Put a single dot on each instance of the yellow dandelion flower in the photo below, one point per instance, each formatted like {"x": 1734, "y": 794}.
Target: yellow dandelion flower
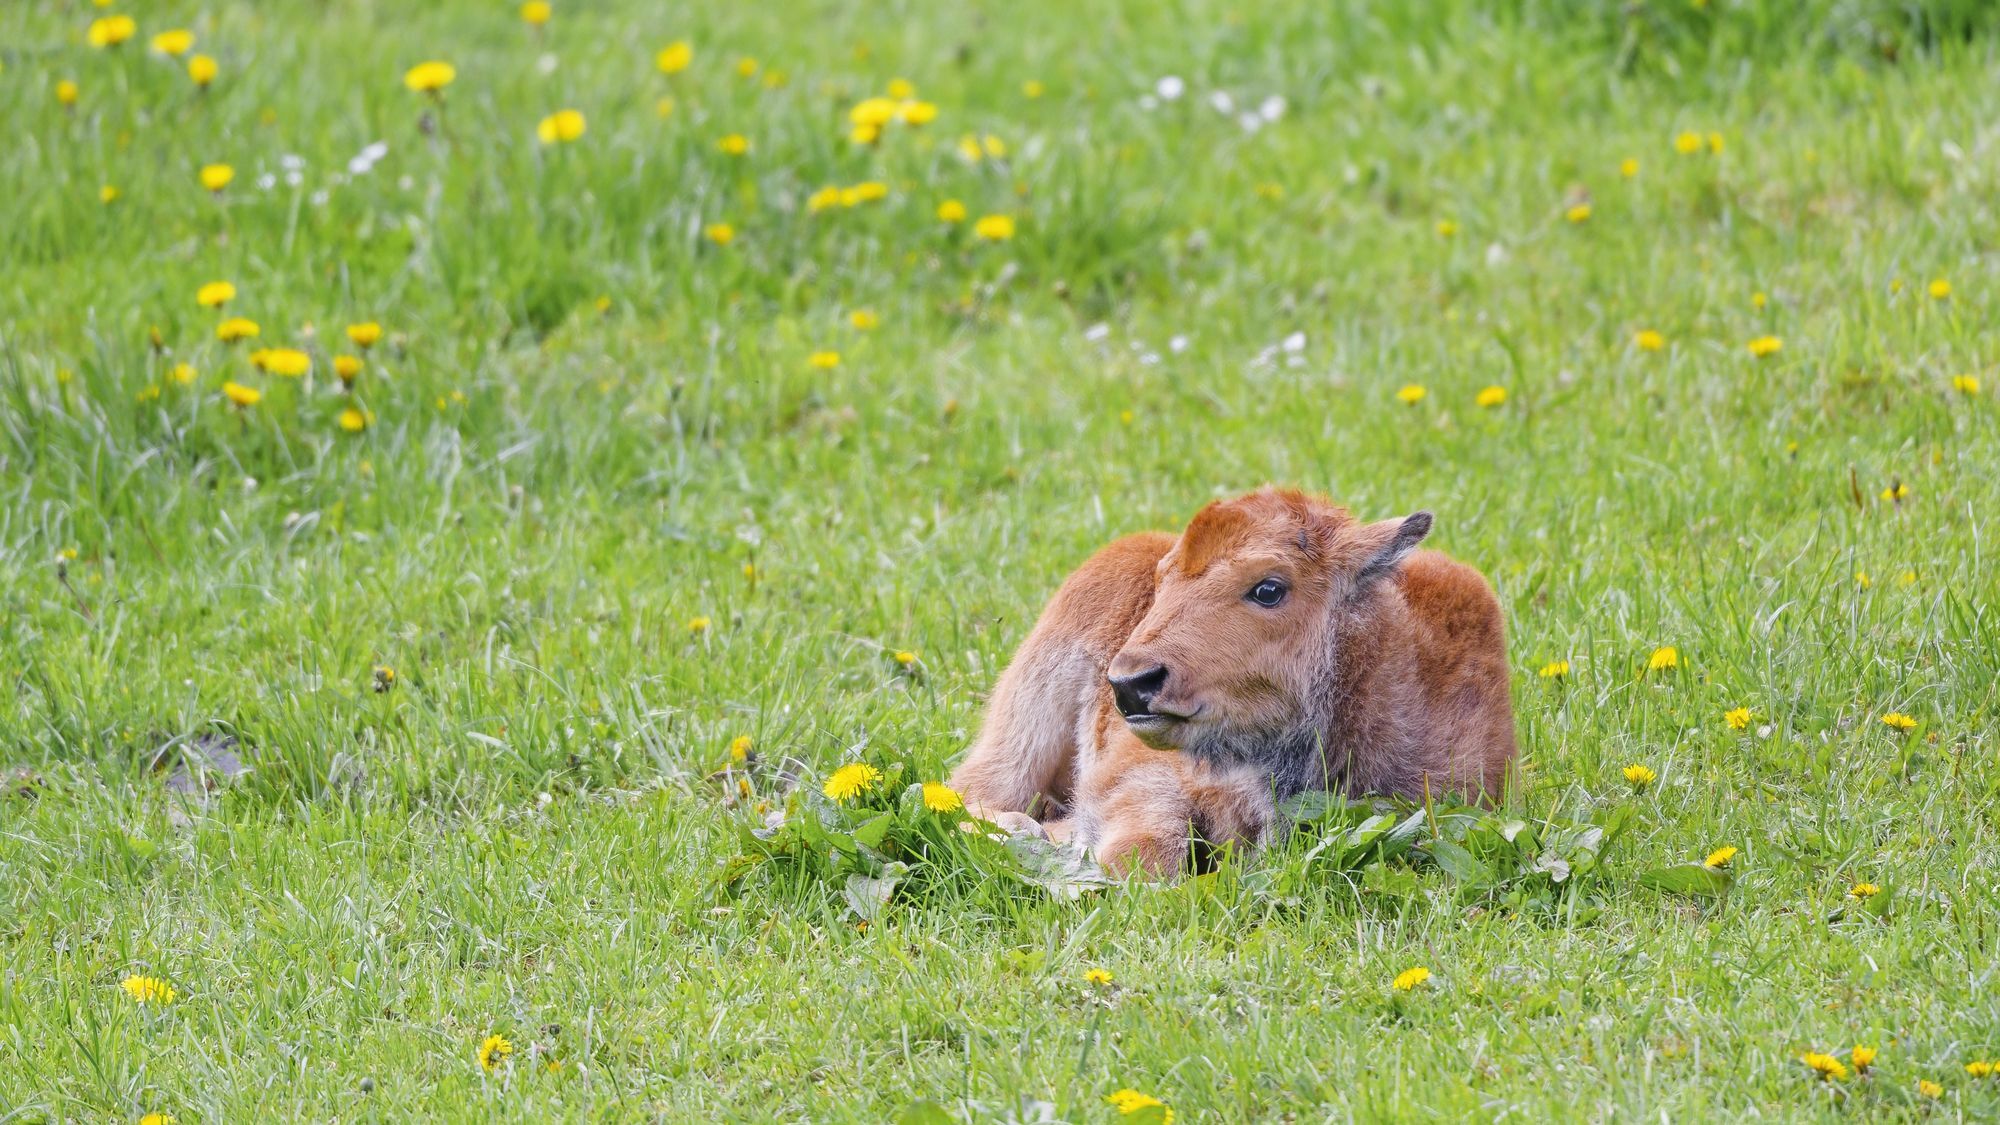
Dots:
{"x": 1715, "y": 142}
{"x": 1628, "y": 167}
{"x": 183, "y": 373}
{"x": 1648, "y": 340}
{"x": 951, "y": 211}
{"x": 176, "y": 42}
{"x": 1664, "y": 659}
{"x": 863, "y": 319}
{"x": 822, "y": 199}
{"x": 355, "y": 420}
{"x": 1979, "y": 1068}
{"x": 535, "y": 13}
{"x": 148, "y": 990}
{"x": 1907, "y": 578}
{"x": 215, "y": 294}
{"x": 851, "y": 780}
{"x": 1738, "y": 718}
{"x": 1640, "y": 776}
{"x": 872, "y": 111}
{"x": 917, "y": 113}
{"x": 493, "y": 1051}
{"x": 1940, "y": 289}
{"x": 1864, "y": 890}
{"x": 364, "y": 334}
{"x": 746, "y": 67}
{"x": 901, "y": 88}
{"x": 1862, "y": 580}
{"x": 1578, "y": 213}
{"x": 867, "y": 191}
{"x": 906, "y": 658}
{"x": 1826, "y": 1066}
{"x": 110, "y": 31}
{"x": 107, "y": 195}
{"x": 1897, "y": 491}
{"x": 1765, "y": 345}
{"x": 561, "y": 127}
{"x": 202, "y": 70}
{"x": 1759, "y": 300}
{"x": 66, "y": 92}
{"x": 698, "y": 625}
{"x": 968, "y": 147}
{"x": 739, "y": 748}
{"x": 1446, "y": 228}
{"x": 1129, "y": 1101}
{"x": 674, "y": 57}
{"x": 348, "y": 367}
{"x": 215, "y": 177}
{"x": 430, "y": 78}
{"x": 994, "y": 147}
{"x": 1491, "y": 396}
{"x": 1097, "y": 977}
{"x": 157, "y": 1119}
{"x": 735, "y": 144}
{"x": 664, "y": 108}
{"x": 1554, "y": 670}
{"x": 1929, "y": 1089}
{"x": 939, "y": 797}
{"x": 236, "y": 328}
{"x": 289, "y": 362}
{"x": 994, "y": 228}
{"x": 722, "y": 234}
{"x": 1411, "y": 394}
{"x": 1719, "y": 858}
{"x": 241, "y": 396}
{"x": 1687, "y": 143}
{"x": 1033, "y": 88}
{"x": 865, "y": 134}
{"x": 1965, "y": 384}
{"x": 1899, "y": 720}
{"x": 1410, "y": 978}
{"x": 824, "y": 360}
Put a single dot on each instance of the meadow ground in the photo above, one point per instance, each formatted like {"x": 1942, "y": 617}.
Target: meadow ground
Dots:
{"x": 616, "y": 487}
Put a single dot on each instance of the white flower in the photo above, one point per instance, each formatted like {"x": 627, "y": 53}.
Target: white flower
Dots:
{"x": 359, "y": 167}
{"x": 375, "y": 151}
{"x": 1272, "y": 108}
{"x": 1222, "y": 102}
{"x": 1149, "y": 358}
{"x": 1296, "y": 342}
{"x": 266, "y": 181}
{"x": 1169, "y": 88}
{"x": 1250, "y": 122}
{"x": 1097, "y": 332}
{"x": 292, "y": 162}
{"x": 294, "y": 179}
{"x": 546, "y": 64}
{"x": 1177, "y": 345}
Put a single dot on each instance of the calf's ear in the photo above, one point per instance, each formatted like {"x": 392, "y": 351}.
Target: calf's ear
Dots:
{"x": 1384, "y": 544}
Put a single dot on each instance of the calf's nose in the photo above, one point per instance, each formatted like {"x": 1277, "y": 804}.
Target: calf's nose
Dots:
{"x": 1134, "y": 694}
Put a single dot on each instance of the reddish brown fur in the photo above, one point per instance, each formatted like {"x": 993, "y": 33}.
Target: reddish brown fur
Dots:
{"x": 1382, "y": 670}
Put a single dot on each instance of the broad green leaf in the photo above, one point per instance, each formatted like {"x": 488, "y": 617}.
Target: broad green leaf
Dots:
{"x": 1689, "y": 879}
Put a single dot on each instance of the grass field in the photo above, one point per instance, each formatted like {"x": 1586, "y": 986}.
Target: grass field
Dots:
{"x": 611, "y": 492}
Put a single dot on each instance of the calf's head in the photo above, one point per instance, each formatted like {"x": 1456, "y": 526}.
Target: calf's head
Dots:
{"x": 1240, "y": 636}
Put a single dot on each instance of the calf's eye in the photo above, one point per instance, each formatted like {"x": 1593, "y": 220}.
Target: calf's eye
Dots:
{"x": 1268, "y": 593}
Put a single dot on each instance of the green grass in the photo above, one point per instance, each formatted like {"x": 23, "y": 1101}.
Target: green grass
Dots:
{"x": 521, "y": 835}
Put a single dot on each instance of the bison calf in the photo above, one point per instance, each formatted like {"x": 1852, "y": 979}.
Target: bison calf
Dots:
{"x": 1184, "y": 685}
